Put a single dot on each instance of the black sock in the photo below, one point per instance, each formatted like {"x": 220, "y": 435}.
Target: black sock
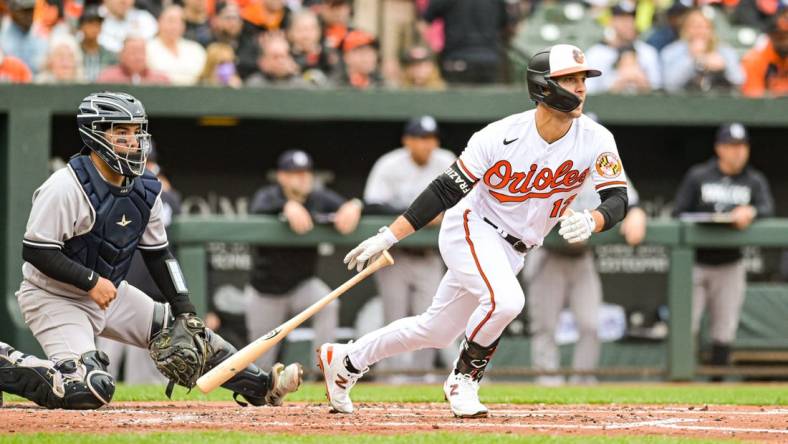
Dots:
{"x": 474, "y": 358}
{"x": 349, "y": 366}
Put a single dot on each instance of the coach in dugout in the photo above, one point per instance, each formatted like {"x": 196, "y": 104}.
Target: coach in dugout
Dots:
{"x": 283, "y": 280}
{"x": 725, "y": 189}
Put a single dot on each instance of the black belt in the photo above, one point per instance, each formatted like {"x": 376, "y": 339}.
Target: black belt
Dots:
{"x": 516, "y": 243}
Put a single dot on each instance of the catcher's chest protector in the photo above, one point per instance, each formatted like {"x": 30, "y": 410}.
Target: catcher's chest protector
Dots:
{"x": 122, "y": 214}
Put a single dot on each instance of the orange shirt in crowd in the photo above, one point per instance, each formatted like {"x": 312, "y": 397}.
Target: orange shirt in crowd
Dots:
{"x": 255, "y": 13}
{"x": 14, "y": 70}
{"x": 766, "y": 72}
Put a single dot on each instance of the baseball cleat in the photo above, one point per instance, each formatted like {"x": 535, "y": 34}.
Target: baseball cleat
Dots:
{"x": 339, "y": 380}
{"x": 462, "y": 392}
{"x": 284, "y": 380}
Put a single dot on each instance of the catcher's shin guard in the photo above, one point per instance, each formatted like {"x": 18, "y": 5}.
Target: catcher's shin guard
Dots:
{"x": 76, "y": 384}
{"x": 252, "y": 383}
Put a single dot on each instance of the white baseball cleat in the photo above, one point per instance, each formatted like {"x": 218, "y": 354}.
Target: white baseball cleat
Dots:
{"x": 284, "y": 380}
{"x": 339, "y": 380}
{"x": 462, "y": 392}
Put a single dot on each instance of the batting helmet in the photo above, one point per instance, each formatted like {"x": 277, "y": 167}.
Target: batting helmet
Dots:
{"x": 551, "y": 62}
{"x": 98, "y": 113}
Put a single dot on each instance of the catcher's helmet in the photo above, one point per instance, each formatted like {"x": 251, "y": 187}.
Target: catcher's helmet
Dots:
{"x": 98, "y": 113}
{"x": 555, "y": 61}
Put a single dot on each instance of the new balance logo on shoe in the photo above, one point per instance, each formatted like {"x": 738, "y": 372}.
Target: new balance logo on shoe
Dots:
{"x": 341, "y": 382}
{"x": 453, "y": 391}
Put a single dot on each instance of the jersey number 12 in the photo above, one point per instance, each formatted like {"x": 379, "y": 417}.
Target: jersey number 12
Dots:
{"x": 560, "y": 206}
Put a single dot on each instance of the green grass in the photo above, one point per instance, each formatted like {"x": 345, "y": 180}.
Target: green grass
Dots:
{"x": 734, "y": 394}
{"x": 237, "y": 437}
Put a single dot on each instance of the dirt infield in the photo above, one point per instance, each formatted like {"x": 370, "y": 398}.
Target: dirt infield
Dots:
{"x": 712, "y": 422}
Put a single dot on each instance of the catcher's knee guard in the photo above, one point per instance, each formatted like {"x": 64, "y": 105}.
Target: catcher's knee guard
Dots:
{"x": 77, "y": 384}
{"x": 252, "y": 383}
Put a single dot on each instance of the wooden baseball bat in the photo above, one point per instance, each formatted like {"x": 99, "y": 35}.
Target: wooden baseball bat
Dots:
{"x": 245, "y": 356}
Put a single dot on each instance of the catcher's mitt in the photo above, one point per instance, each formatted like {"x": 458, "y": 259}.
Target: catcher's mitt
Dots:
{"x": 180, "y": 351}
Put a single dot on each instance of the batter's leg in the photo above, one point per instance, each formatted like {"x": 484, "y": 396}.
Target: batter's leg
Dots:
{"x": 585, "y": 298}
{"x": 263, "y": 314}
{"x": 547, "y": 294}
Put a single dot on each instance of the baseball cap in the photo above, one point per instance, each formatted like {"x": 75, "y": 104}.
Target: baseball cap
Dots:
{"x": 357, "y": 39}
{"x": 416, "y": 54}
{"x": 421, "y": 126}
{"x": 22, "y": 4}
{"x": 294, "y": 160}
{"x": 623, "y": 8}
{"x": 90, "y": 14}
{"x": 732, "y": 133}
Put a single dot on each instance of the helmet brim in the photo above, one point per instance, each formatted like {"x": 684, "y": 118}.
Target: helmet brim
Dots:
{"x": 565, "y": 72}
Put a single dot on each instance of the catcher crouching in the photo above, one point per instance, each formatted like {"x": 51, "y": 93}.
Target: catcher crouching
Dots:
{"x": 86, "y": 222}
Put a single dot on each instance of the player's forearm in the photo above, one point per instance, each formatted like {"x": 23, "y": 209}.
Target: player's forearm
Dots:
{"x": 612, "y": 209}
{"x": 56, "y": 265}
{"x": 166, "y": 272}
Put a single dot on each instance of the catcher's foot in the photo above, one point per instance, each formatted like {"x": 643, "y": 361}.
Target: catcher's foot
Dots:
{"x": 284, "y": 380}
{"x": 339, "y": 380}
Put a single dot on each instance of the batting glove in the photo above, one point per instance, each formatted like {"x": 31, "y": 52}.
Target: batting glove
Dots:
{"x": 577, "y": 227}
{"x": 370, "y": 249}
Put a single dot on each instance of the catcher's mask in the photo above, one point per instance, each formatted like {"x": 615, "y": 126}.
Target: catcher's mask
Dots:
{"x": 104, "y": 121}
{"x": 551, "y": 62}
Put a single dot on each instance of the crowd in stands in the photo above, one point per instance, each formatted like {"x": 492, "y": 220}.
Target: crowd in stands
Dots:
{"x": 731, "y": 46}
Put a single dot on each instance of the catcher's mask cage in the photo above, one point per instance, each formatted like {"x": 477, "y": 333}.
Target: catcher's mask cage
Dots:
{"x": 104, "y": 120}
{"x": 552, "y": 62}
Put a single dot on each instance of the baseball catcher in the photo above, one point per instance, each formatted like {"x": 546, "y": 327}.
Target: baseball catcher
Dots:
{"x": 86, "y": 222}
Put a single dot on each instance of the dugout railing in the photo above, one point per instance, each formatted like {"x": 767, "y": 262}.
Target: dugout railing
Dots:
{"x": 192, "y": 233}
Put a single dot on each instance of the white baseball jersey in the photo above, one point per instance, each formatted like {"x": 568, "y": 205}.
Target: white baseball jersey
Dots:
{"x": 524, "y": 183}
{"x": 61, "y": 211}
{"x": 397, "y": 180}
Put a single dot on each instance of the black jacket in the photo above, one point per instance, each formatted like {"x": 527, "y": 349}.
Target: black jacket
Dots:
{"x": 277, "y": 270}
{"x": 705, "y": 189}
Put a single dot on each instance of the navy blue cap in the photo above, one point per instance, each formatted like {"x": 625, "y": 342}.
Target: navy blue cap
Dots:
{"x": 421, "y": 126}
{"x": 623, "y": 8}
{"x": 732, "y": 133}
{"x": 294, "y": 160}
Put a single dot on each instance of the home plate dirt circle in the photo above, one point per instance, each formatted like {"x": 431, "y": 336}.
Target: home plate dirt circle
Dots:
{"x": 764, "y": 423}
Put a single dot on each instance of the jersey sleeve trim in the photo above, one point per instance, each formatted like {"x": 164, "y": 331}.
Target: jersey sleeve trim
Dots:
{"x": 47, "y": 245}
{"x": 466, "y": 171}
{"x": 614, "y": 183}
{"x": 160, "y": 246}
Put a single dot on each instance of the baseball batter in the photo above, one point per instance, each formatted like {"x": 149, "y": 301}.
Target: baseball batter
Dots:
{"x": 510, "y": 186}
{"x": 86, "y": 222}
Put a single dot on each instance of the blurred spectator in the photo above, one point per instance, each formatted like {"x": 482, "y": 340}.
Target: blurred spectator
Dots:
{"x": 766, "y": 65}
{"x": 20, "y": 38}
{"x": 283, "y": 280}
{"x": 180, "y": 59}
{"x": 219, "y": 67}
{"x": 566, "y": 275}
{"x": 420, "y": 70}
{"x": 226, "y": 25}
{"x": 275, "y": 65}
{"x": 122, "y": 19}
{"x": 63, "y": 63}
{"x": 727, "y": 188}
{"x": 132, "y": 66}
{"x": 472, "y": 53}
{"x": 198, "y": 28}
{"x": 756, "y": 13}
{"x": 361, "y": 61}
{"x": 667, "y": 32}
{"x": 13, "y": 70}
{"x": 137, "y": 366}
{"x": 698, "y": 61}
{"x": 630, "y": 65}
{"x": 396, "y": 179}
{"x": 335, "y": 17}
{"x": 307, "y": 48}
{"x": 94, "y": 56}
{"x": 265, "y": 15}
